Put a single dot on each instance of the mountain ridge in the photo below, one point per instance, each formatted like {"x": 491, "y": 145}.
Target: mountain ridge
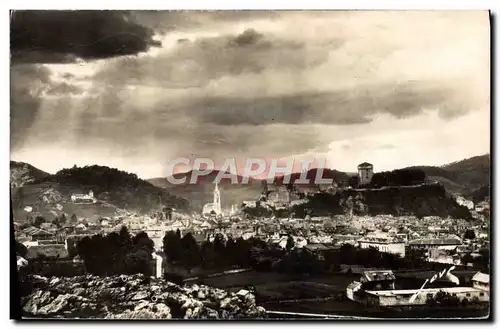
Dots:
{"x": 469, "y": 177}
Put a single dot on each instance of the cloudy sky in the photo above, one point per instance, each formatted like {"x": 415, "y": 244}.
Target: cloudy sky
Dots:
{"x": 134, "y": 90}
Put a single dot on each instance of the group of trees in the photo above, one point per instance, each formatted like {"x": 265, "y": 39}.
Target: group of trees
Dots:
{"x": 399, "y": 177}
{"x": 117, "y": 253}
{"x": 481, "y": 262}
{"x": 260, "y": 255}
{"x": 443, "y": 298}
{"x": 58, "y": 221}
{"x": 216, "y": 254}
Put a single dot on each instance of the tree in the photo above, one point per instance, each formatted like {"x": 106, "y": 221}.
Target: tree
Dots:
{"x": 142, "y": 242}
{"x": 138, "y": 261}
{"x": 39, "y": 220}
{"x": 467, "y": 259}
{"x": 353, "y": 181}
{"x": 231, "y": 252}
{"x": 62, "y": 219}
{"x": 469, "y": 235}
{"x": 191, "y": 251}
{"x": 207, "y": 254}
{"x": 289, "y": 244}
{"x": 18, "y": 198}
{"x": 21, "y": 249}
{"x": 172, "y": 246}
{"x": 74, "y": 219}
{"x": 219, "y": 245}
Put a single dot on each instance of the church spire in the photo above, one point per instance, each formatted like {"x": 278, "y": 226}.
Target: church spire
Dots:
{"x": 217, "y": 206}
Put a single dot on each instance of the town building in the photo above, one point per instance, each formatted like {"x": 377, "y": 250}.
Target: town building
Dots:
{"x": 481, "y": 281}
{"x": 365, "y": 172}
{"x": 385, "y": 244}
{"x": 426, "y": 244}
{"x": 443, "y": 256}
{"x": 376, "y": 288}
{"x": 403, "y": 297}
{"x": 36, "y": 234}
{"x": 86, "y": 198}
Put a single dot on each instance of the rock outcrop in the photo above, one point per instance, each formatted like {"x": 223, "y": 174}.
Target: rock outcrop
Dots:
{"x": 134, "y": 297}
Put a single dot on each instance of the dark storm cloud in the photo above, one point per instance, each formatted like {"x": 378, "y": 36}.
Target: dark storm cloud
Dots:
{"x": 174, "y": 20}
{"x": 61, "y": 36}
{"x": 343, "y": 107}
{"x": 64, "y": 88}
{"x": 194, "y": 63}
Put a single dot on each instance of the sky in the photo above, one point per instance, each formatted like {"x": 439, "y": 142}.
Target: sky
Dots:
{"x": 136, "y": 90}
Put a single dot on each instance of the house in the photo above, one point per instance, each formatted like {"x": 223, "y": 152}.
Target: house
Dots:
{"x": 481, "y": 206}
{"x": 250, "y": 203}
{"x": 85, "y": 198}
{"x": 206, "y": 225}
{"x": 390, "y": 298}
{"x": 481, "y": 281}
{"x": 426, "y": 244}
{"x": 385, "y": 244}
{"x": 443, "y": 256}
{"x": 48, "y": 250}
{"x": 319, "y": 249}
{"x": 378, "y": 280}
{"x": 36, "y": 234}
{"x": 81, "y": 226}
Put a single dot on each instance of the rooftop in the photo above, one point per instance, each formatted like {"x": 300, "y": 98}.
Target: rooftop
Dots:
{"x": 35, "y": 231}
{"x": 379, "y": 275}
{"x": 48, "y": 250}
{"x": 423, "y": 291}
{"x": 365, "y": 165}
{"x": 481, "y": 277}
{"x": 437, "y": 241}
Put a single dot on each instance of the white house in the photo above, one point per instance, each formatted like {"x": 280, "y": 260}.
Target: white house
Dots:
{"x": 385, "y": 244}
{"x": 83, "y": 197}
{"x": 481, "y": 281}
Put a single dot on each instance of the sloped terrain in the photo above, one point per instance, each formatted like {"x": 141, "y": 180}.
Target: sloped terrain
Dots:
{"x": 23, "y": 173}
{"x": 134, "y": 297}
{"x": 114, "y": 189}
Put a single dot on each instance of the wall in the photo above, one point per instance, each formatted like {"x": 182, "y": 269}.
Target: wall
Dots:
{"x": 400, "y": 300}
{"x": 392, "y": 248}
{"x": 365, "y": 176}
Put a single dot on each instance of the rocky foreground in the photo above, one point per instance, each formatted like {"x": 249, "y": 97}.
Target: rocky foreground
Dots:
{"x": 134, "y": 297}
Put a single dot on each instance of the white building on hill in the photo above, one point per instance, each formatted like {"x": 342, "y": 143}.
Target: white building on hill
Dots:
{"x": 83, "y": 197}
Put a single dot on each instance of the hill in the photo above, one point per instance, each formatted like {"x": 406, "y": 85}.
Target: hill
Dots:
{"x": 200, "y": 178}
{"x": 23, "y": 173}
{"x": 468, "y": 177}
{"x": 337, "y": 176}
{"x": 423, "y": 200}
{"x": 202, "y": 192}
{"x": 115, "y": 190}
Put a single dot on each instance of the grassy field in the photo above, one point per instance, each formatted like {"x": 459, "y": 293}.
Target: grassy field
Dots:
{"x": 324, "y": 294}
{"x": 281, "y": 286}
